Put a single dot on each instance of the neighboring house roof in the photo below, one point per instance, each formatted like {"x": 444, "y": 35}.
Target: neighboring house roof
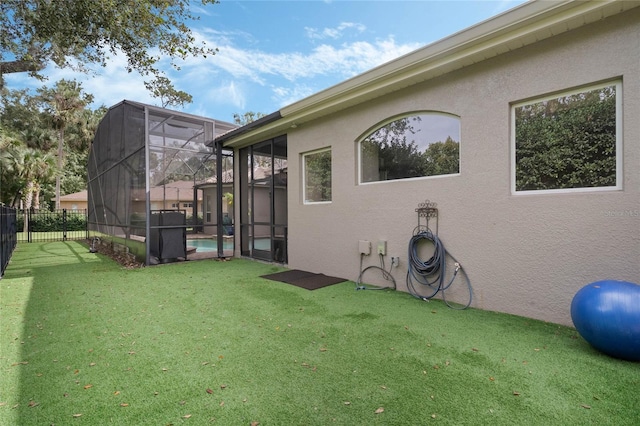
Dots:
{"x": 227, "y": 177}
{"x": 259, "y": 173}
{"x": 173, "y": 190}
{"x": 523, "y": 25}
{"x": 76, "y": 196}
{"x": 178, "y": 184}
{"x": 158, "y": 193}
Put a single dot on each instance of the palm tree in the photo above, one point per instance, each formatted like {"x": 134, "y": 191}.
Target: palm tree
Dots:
{"x": 8, "y": 140}
{"x": 32, "y": 168}
{"x": 81, "y": 136}
{"x": 63, "y": 103}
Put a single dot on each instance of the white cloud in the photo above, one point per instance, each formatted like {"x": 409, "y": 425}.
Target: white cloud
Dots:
{"x": 211, "y": 36}
{"x": 199, "y": 11}
{"x": 108, "y": 85}
{"x": 333, "y": 33}
{"x": 235, "y": 77}
{"x": 228, "y": 93}
{"x": 287, "y": 95}
{"x": 345, "y": 60}
{"x": 115, "y": 85}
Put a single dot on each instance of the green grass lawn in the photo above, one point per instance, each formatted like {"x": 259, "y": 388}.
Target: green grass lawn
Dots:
{"x": 84, "y": 341}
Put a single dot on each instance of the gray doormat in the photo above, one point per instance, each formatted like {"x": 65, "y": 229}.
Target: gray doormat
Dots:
{"x": 304, "y": 279}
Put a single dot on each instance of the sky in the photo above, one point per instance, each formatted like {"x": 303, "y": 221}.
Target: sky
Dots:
{"x": 274, "y": 53}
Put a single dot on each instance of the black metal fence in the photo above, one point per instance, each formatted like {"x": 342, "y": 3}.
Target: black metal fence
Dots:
{"x": 58, "y": 225}
{"x": 8, "y": 237}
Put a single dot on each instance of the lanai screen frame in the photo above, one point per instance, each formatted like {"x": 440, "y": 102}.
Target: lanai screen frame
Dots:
{"x": 137, "y": 147}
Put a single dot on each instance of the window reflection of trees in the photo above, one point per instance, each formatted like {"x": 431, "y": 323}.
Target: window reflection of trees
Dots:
{"x": 405, "y": 148}
{"x": 317, "y": 176}
{"x": 567, "y": 142}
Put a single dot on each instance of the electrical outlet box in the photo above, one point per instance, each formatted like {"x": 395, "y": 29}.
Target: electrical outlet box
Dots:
{"x": 364, "y": 247}
{"x": 382, "y": 247}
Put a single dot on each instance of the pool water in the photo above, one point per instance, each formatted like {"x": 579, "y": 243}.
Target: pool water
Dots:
{"x": 205, "y": 245}
{"x": 208, "y": 245}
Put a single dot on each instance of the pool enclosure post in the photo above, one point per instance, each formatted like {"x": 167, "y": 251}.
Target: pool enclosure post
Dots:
{"x": 194, "y": 215}
{"x": 147, "y": 183}
{"x": 219, "y": 193}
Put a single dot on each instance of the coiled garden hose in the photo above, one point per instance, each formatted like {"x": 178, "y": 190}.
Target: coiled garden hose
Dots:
{"x": 430, "y": 274}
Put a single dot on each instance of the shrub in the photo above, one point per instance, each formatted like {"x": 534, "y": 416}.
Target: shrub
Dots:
{"x": 54, "y": 221}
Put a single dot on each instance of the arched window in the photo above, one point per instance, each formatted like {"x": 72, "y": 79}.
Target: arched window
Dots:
{"x": 411, "y": 146}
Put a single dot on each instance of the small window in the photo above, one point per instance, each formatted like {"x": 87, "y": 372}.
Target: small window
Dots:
{"x": 411, "y": 146}
{"x": 208, "y": 203}
{"x": 316, "y": 172}
{"x": 568, "y": 142}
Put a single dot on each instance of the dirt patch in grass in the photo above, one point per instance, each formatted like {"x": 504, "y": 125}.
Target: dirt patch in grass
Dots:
{"x": 126, "y": 260}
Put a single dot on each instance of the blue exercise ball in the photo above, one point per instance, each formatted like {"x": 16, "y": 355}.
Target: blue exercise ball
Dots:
{"x": 607, "y": 314}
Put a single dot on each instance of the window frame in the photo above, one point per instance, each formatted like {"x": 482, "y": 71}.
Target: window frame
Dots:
{"x": 391, "y": 119}
{"x": 617, "y": 84}
{"x": 304, "y": 156}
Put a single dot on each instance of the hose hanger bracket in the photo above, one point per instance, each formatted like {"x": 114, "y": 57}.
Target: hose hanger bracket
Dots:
{"x": 427, "y": 211}
{"x": 430, "y": 275}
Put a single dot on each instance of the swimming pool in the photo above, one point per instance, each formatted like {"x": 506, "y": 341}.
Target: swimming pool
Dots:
{"x": 205, "y": 245}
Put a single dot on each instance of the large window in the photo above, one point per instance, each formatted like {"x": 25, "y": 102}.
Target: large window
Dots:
{"x": 570, "y": 141}
{"x": 411, "y": 146}
{"x": 316, "y": 168}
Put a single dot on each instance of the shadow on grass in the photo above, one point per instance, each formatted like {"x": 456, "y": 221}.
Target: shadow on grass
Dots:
{"x": 45, "y": 255}
{"x": 41, "y": 272}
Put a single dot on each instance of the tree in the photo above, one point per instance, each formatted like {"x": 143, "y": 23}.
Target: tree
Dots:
{"x": 78, "y": 34}
{"x": 26, "y": 123}
{"x": 442, "y": 158}
{"x": 20, "y": 110}
{"x": 40, "y": 168}
{"x": 21, "y": 146}
{"x": 78, "y": 138}
{"x": 247, "y": 117}
{"x": 567, "y": 142}
{"x": 32, "y": 168}
{"x": 400, "y": 149}
{"x": 317, "y": 176}
{"x": 63, "y": 103}
{"x": 8, "y": 140}
{"x": 39, "y": 137}
{"x": 162, "y": 88}
{"x": 80, "y": 134}
{"x": 389, "y": 154}
{"x": 74, "y": 173}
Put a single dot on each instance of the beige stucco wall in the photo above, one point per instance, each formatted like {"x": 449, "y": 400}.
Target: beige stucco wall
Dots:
{"x": 73, "y": 205}
{"x": 524, "y": 254}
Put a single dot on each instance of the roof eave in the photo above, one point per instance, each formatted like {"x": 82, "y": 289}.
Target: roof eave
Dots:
{"x": 247, "y": 128}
